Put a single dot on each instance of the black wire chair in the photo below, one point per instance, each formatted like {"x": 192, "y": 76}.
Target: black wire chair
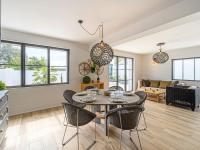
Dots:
{"x": 68, "y": 94}
{"x": 141, "y": 102}
{"x": 119, "y": 88}
{"x": 125, "y": 118}
{"x": 76, "y": 117}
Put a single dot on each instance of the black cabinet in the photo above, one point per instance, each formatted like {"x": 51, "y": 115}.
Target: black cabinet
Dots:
{"x": 183, "y": 96}
{"x": 3, "y": 113}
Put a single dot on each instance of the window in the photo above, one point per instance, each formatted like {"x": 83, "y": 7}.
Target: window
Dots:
{"x": 26, "y": 65}
{"x": 186, "y": 69}
{"x": 10, "y": 64}
{"x": 121, "y": 73}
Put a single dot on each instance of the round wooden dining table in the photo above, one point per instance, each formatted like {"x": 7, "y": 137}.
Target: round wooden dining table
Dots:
{"x": 102, "y": 100}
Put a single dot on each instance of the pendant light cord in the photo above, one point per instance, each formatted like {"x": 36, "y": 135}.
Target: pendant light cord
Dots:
{"x": 99, "y": 28}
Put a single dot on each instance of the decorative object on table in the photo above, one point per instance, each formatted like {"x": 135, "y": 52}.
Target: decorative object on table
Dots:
{"x": 86, "y": 79}
{"x": 84, "y": 68}
{"x": 101, "y": 53}
{"x": 99, "y": 71}
{"x": 160, "y": 57}
{"x": 2, "y": 85}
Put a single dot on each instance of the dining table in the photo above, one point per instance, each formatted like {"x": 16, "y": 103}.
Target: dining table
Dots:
{"x": 107, "y": 101}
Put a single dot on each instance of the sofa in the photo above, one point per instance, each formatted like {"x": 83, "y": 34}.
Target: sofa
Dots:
{"x": 146, "y": 84}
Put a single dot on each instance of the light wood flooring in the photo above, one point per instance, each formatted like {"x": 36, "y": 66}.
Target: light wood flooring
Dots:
{"x": 169, "y": 128}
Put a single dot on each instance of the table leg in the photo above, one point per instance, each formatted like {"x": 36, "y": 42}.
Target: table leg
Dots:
{"x": 95, "y": 109}
{"x": 106, "y": 122}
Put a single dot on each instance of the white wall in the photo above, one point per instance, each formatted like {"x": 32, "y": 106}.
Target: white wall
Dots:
{"x": 151, "y": 70}
{"x": 28, "y": 99}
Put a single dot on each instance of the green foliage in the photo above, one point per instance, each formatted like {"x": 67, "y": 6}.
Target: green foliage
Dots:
{"x": 40, "y": 73}
{"x": 2, "y": 85}
{"x": 86, "y": 79}
{"x": 10, "y": 55}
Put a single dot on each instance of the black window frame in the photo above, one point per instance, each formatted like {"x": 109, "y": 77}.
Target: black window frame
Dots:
{"x": 125, "y": 69}
{"x": 182, "y": 59}
{"x": 23, "y": 69}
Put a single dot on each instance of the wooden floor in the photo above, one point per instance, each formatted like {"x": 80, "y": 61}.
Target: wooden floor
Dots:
{"x": 169, "y": 128}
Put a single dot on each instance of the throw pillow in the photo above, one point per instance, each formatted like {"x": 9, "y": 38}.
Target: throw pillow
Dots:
{"x": 154, "y": 83}
{"x": 164, "y": 84}
{"x": 145, "y": 83}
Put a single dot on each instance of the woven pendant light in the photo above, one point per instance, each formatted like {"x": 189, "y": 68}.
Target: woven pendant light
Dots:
{"x": 101, "y": 53}
{"x": 160, "y": 57}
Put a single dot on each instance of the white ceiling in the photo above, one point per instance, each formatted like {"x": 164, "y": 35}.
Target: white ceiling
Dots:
{"x": 186, "y": 35}
{"x": 58, "y": 18}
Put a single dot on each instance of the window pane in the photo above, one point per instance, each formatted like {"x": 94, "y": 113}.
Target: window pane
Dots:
{"x": 10, "y": 75}
{"x": 177, "y": 69}
{"x": 113, "y": 72}
{"x": 129, "y": 63}
{"x": 58, "y": 57}
{"x": 129, "y": 84}
{"x": 188, "y": 70}
{"x": 121, "y": 63}
{"x": 36, "y": 55}
{"x": 129, "y": 74}
{"x": 36, "y": 75}
{"x": 121, "y": 84}
{"x": 10, "y": 53}
{"x": 58, "y": 75}
{"x": 197, "y": 69}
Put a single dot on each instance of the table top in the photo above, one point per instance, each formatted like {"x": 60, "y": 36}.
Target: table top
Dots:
{"x": 107, "y": 100}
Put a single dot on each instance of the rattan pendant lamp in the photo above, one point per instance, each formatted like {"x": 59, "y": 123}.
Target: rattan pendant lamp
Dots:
{"x": 160, "y": 57}
{"x": 101, "y": 53}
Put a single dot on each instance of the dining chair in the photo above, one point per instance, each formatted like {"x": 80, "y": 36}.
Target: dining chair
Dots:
{"x": 125, "y": 118}
{"x": 68, "y": 94}
{"x": 76, "y": 117}
{"x": 143, "y": 96}
{"x": 119, "y": 88}
{"x": 141, "y": 102}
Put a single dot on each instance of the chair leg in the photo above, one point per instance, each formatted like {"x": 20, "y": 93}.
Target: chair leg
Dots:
{"x": 144, "y": 121}
{"x": 121, "y": 139}
{"x": 77, "y": 137}
{"x": 139, "y": 139}
{"x": 64, "y": 136}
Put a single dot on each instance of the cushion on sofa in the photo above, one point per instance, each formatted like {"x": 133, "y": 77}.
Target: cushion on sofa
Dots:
{"x": 164, "y": 84}
{"x": 154, "y": 83}
{"x": 145, "y": 83}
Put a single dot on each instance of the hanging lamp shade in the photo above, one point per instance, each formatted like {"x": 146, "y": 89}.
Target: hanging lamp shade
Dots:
{"x": 101, "y": 54}
{"x": 160, "y": 57}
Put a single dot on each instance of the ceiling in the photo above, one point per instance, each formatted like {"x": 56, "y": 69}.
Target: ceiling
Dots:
{"x": 58, "y": 18}
{"x": 181, "y": 36}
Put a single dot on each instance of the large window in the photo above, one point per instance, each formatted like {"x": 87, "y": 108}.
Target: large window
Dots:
{"x": 186, "y": 69}
{"x": 121, "y": 73}
{"x": 26, "y": 65}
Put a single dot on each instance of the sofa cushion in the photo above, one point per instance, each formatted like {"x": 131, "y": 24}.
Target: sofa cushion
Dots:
{"x": 154, "y": 83}
{"x": 145, "y": 83}
{"x": 164, "y": 84}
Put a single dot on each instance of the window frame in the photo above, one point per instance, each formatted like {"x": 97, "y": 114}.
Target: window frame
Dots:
{"x": 23, "y": 65}
{"x": 125, "y": 70}
{"x": 182, "y": 59}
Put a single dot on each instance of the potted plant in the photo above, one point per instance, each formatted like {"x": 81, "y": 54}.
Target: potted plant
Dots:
{"x": 2, "y": 85}
{"x": 86, "y": 79}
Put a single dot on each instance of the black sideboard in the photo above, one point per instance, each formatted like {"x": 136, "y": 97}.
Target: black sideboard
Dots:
{"x": 183, "y": 96}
